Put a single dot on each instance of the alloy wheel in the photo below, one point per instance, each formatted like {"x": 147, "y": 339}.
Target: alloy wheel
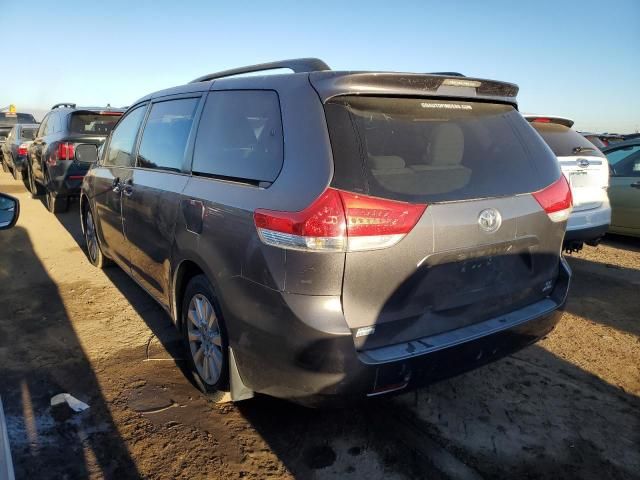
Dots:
{"x": 205, "y": 340}
{"x": 91, "y": 238}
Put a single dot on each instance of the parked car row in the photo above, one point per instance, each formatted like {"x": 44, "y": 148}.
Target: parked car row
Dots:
{"x": 329, "y": 235}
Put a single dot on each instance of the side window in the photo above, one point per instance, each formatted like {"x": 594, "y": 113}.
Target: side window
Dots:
{"x": 628, "y": 166}
{"x": 240, "y": 136}
{"x": 123, "y": 139}
{"x": 616, "y": 155}
{"x": 54, "y": 123}
{"x": 43, "y": 126}
{"x": 166, "y": 133}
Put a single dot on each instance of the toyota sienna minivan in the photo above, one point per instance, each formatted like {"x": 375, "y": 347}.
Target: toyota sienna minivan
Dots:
{"x": 324, "y": 236}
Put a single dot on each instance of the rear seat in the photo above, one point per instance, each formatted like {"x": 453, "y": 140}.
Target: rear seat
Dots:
{"x": 444, "y": 174}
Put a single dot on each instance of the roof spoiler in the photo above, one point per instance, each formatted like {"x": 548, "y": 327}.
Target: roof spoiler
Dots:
{"x": 330, "y": 84}
{"x": 297, "y": 65}
{"x": 63, "y": 105}
{"x": 567, "y": 122}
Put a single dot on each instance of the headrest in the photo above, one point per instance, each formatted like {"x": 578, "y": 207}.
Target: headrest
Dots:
{"x": 447, "y": 145}
{"x": 385, "y": 162}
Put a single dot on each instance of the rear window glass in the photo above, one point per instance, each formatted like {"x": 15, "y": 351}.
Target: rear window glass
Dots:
{"x": 7, "y": 118}
{"x": 93, "y": 123}
{"x": 595, "y": 140}
{"x": 429, "y": 151}
{"x": 564, "y": 141}
{"x": 28, "y": 133}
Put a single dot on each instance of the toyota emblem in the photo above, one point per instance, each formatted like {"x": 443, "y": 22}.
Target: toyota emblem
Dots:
{"x": 489, "y": 220}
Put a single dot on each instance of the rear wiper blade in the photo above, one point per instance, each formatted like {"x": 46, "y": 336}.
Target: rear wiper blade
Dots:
{"x": 583, "y": 149}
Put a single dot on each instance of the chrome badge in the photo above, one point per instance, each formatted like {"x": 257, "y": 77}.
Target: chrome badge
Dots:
{"x": 583, "y": 162}
{"x": 489, "y": 220}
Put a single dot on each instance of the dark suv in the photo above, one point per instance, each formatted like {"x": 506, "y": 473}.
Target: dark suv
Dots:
{"x": 14, "y": 149}
{"x": 334, "y": 235}
{"x": 51, "y": 166}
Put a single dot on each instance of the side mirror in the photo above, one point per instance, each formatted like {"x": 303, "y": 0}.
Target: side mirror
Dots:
{"x": 87, "y": 153}
{"x": 9, "y": 211}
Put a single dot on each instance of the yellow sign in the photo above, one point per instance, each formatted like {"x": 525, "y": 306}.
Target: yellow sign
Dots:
{"x": 12, "y": 108}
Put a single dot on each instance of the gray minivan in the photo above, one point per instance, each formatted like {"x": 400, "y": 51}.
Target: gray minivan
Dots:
{"x": 325, "y": 235}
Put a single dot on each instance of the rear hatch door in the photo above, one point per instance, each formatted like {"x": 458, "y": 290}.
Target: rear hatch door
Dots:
{"x": 585, "y": 166}
{"x": 483, "y": 247}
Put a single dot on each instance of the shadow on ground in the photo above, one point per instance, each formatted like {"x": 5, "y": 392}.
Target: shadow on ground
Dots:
{"x": 41, "y": 357}
{"x": 532, "y": 415}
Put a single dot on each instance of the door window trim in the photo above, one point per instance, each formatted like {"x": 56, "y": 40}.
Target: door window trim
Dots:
{"x": 105, "y": 151}
{"x": 237, "y": 180}
{"x": 185, "y": 168}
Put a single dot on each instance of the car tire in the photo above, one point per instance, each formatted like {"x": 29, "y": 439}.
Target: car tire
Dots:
{"x": 17, "y": 174}
{"x": 205, "y": 338}
{"x": 92, "y": 243}
{"x": 55, "y": 203}
{"x": 34, "y": 187}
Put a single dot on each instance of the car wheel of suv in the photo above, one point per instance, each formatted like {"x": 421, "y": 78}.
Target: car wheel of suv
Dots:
{"x": 205, "y": 337}
{"x": 56, "y": 204}
{"x": 94, "y": 252}
{"x": 17, "y": 174}
{"x": 34, "y": 187}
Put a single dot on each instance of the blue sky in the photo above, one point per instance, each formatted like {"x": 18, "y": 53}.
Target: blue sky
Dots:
{"x": 574, "y": 58}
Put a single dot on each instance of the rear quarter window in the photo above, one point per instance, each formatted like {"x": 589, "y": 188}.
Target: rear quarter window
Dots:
{"x": 240, "y": 136}
{"x": 427, "y": 151}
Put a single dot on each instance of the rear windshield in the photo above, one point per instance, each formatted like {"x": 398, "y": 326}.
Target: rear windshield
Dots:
{"x": 93, "y": 123}
{"x": 7, "y": 118}
{"x": 564, "y": 141}
{"x": 28, "y": 133}
{"x": 430, "y": 151}
{"x": 595, "y": 140}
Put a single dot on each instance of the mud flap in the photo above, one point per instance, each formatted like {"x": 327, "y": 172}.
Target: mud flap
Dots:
{"x": 237, "y": 389}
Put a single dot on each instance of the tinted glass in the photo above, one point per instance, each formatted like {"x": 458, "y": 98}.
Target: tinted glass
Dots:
{"x": 92, "y": 123}
{"x": 595, "y": 140}
{"x": 123, "y": 139}
{"x": 7, "y": 118}
{"x": 28, "y": 133}
{"x": 430, "y": 151}
{"x": 617, "y": 155}
{"x": 628, "y": 166}
{"x": 240, "y": 136}
{"x": 166, "y": 133}
{"x": 564, "y": 141}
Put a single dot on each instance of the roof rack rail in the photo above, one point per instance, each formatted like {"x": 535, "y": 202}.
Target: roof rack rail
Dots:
{"x": 63, "y": 104}
{"x": 448, "y": 74}
{"x": 298, "y": 65}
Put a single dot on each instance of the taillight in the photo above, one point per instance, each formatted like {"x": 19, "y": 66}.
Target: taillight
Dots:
{"x": 65, "y": 151}
{"x": 22, "y": 149}
{"x": 339, "y": 221}
{"x": 556, "y": 200}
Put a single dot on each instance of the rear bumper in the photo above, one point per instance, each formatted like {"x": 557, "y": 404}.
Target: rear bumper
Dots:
{"x": 66, "y": 178}
{"x": 589, "y": 224}
{"x": 299, "y": 361}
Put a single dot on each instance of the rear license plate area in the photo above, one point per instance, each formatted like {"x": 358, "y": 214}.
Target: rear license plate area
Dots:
{"x": 580, "y": 180}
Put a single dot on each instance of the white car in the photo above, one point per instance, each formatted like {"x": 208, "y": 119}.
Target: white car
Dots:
{"x": 587, "y": 171}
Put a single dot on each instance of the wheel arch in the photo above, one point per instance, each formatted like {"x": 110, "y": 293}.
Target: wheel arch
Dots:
{"x": 185, "y": 271}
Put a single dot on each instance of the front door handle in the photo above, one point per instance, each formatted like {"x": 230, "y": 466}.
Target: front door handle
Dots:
{"x": 635, "y": 185}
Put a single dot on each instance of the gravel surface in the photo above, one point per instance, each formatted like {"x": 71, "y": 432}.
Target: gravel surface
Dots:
{"x": 567, "y": 407}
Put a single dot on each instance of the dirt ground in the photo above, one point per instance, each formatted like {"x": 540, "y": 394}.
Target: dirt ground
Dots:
{"x": 568, "y": 407}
